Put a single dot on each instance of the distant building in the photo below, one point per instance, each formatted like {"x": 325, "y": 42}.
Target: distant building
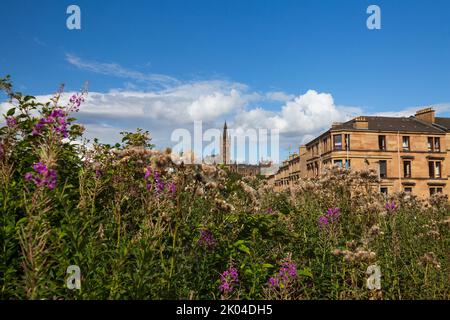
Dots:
{"x": 409, "y": 153}
{"x": 242, "y": 169}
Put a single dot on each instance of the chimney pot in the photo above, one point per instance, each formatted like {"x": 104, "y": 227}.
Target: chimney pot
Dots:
{"x": 427, "y": 115}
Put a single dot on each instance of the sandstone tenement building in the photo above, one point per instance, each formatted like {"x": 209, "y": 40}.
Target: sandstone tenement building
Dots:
{"x": 409, "y": 153}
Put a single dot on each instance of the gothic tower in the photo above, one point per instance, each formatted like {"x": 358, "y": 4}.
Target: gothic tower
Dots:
{"x": 225, "y": 145}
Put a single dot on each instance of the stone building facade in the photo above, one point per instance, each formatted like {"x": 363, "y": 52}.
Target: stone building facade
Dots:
{"x": 409, "y": 153}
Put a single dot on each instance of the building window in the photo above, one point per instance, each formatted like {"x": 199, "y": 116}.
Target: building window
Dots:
{"x": 384, "y": 190}
{"x": 382, "y": 143}
{"x": 430, "y": 144}
{"x": 406, "y": 146}
{"x": 435, "y": 190}
{"x": 347, "y": 142}
{"x": 407, "y": 169}
{"x": 437, "y": 144}
{"x": 408, "y": 189}
{"x": 437, "y": 169}
{"x": 434, "y": 144}
{"x": 383, "y": 169}
{"x": 431, "y": 169}
{"x": 337, "y": 142}
{"x": 338, "y": 163}
{"x": 347, "y": 164}
{"x": 434, "y": 169}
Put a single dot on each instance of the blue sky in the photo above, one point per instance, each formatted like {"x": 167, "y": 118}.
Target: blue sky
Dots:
{"x": 242, "y": 51}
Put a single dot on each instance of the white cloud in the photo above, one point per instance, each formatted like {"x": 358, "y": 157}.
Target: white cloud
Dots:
{"x": 170, "y": 104}
{"x": 279, "y": 96}
{"x": 160, "y": 112}
{"x": 306, "y": 114}
{"x": 410, "y": 111}
{"x": 114, "y": 69}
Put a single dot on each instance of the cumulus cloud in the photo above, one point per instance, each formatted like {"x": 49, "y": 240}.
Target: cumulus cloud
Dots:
{"x": 171, "y": 104}
{"x": 303, "y": 115}
{"x": 161, "y": 112}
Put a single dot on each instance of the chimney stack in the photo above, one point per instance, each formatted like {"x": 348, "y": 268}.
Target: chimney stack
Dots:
{"x": 361, "y": 123}
{"x": 335, "y": 125}
{"x": 427, "y": 115}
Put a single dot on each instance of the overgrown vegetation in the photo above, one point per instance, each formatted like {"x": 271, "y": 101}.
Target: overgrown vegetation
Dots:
{"x": 141, "y": 225}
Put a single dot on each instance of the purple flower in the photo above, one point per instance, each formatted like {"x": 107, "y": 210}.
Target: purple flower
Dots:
{"x": 269, "y": 210}
{"x": 391, "y": 206}
{"x": 28, "y": 176}
{"x": 40, "y": 168}
{"x": 11, "y": 121}
{"x": 76, "y": 100}
{"x": 323, "y": 221}
{"x": 333, "y": 212}
{"x": 56, "y": 122}
{"x": 172, "y": 188}
{"x": 286, "y": 274}
{"x": 274, "y": 282}
{"x": 42, "y": 177}
{"x": 288, "y": 270}
{"x": 329, "y": 217}
{"x": 159, "y": 184}
{"x": 147, "y": 172}
{"x": 228, "y": 279}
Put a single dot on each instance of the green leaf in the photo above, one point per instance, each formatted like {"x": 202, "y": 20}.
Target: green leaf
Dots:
{"x": 267, "y": 265}
{"x": 11, "y": 112}
{"x": 244, "y": 248}
{"x": 305, "y": 272}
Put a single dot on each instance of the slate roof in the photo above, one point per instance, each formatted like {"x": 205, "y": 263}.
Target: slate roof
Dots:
{"x": 402, "y": 124}
{"x": 445, "y": 122}
{"x": 410, "y": 124}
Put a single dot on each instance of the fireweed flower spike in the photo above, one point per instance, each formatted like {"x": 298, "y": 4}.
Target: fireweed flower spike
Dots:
{"x": 43, "y": 176}
{"x": 159, "y": 184}
{"x": 147, "y": 173}
{"x": 331, "y": 216}
{"x": 286, "y": 274}
{"x": 390, "y": 206}
{"x": 273, "y": 282}
{"x": 55, "y": 121}
{"x": 323, "y": 221}
{"x": 76, "y": 99}
{"x": 228, "y": 279}
{"x": 333, "y": 212}
{"x": 11, "y": 121}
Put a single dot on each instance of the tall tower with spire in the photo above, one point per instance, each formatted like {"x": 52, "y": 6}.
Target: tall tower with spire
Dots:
{"x": 225, "y": 146}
